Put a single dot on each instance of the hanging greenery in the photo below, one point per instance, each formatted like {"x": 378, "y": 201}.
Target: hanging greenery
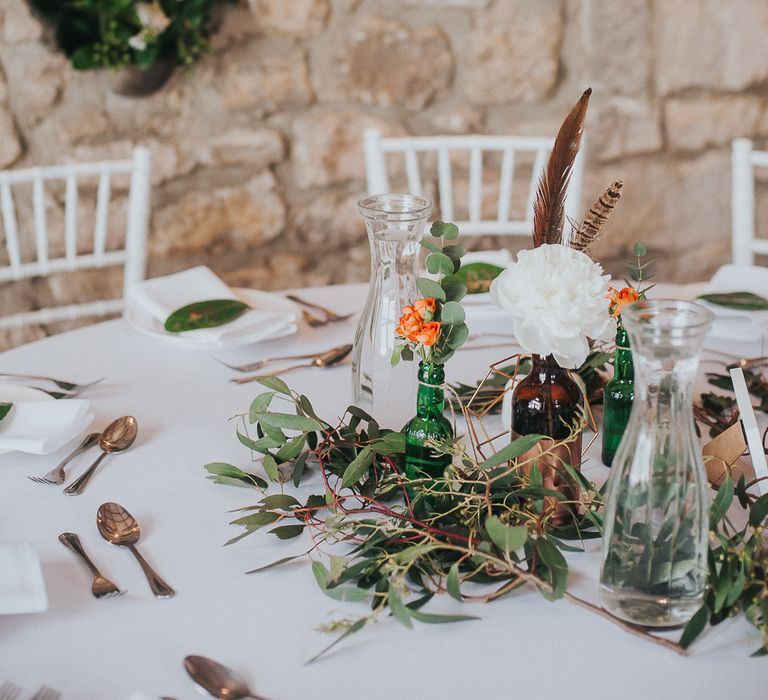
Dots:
{"x": 120, "y": 33}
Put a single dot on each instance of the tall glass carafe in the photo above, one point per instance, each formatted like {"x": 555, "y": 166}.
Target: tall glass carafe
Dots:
{"x": 395, "y": 225}
{"x": 654, "y": 558}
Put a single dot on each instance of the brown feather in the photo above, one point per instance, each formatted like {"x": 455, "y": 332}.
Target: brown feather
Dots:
{"x": 549, "y": 207}
{"x": 590, "y": 228}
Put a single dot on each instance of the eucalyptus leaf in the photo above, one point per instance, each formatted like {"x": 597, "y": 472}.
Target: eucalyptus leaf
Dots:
{"x": 759, "y": 511}
{"x": 441, "y": 229}
{"x": 5, "y": 409}
{"x": 286, "y": 532}
{"x": 274, "y": 383}
{"x": 555, "y": 562}
{"x": 722, "y": 502}
{"x": 454, "y": 288}
{"x": 357, "y": 467}
{"x": 639, "y": 249}
{"x": 507, "y": 539}
{"x": 452, "y": 313}
{"x": 398, "y": 609}
{"x": 454, "y": 252}
{"x": 279, "y": 500}
{"x": 452, "y": 582}
{"x": 275, "y": 564}
{"x": 694, "y": 627}
{"x": 234, "y": 475}
{"x": 439, "y": 264}
{"x": 351, "y": 594}
{"x": 205, "y": 314}
{"x": 260, "y": 404}
{"x": 458, "y": 336}
{"x": 433, "y": 618}
{"x": 288, "y": 421}
{"x": 270, "y": 466}
{"x": 515, "y": 448}
{"x": 430, "y": 289}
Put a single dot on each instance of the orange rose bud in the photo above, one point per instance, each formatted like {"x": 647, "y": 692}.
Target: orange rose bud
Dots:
{"x": 427, "y": 334}
{"x": 425, "y": 308}
{"x": 619, "y": 298}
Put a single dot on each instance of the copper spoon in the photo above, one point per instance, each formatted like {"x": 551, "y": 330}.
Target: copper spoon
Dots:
{"x": 116, "y": 437}
{"x": 218, "y": 680}
{"x": 118, "y": 526}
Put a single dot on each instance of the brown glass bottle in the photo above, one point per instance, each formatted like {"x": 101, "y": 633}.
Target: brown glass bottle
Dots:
{"x": 547, "y": 402}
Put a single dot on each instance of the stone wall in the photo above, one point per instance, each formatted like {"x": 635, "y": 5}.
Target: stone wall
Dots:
{"x": 257, "y": 153}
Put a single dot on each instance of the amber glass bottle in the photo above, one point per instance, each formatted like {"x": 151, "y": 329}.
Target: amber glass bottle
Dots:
{"x": 547, "y": 402}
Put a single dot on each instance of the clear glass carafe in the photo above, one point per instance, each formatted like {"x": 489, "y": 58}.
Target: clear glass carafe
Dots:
{"x": 395, "y": 225}
{"x": 654, "y": 557}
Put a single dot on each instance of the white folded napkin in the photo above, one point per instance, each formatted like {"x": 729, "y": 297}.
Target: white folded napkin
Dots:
{"x": 42, "y": 427}
{"x": 22, "y": 589}
{"x": 161, "y": 296}
{"x": 732, "y": 323}
{"x": 143, "y": 696}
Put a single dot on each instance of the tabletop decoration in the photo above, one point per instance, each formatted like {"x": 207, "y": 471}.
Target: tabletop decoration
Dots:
{"x": 395, "y": 224}
{"x": 490, "y": 524}
{"x": 654, "y": 558}
{"x": 620, "y": 389}
{"x": 555, "y": 295}
{"x": 433, "y": 329}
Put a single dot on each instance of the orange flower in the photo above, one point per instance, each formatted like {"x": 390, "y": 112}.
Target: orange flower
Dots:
{"x": 427, "y": 334}
{"x": 410, "y": 322}
{"x": 425, "y": 308}
{"x": 619, "y": 298}
{"x": 416, "y": 324}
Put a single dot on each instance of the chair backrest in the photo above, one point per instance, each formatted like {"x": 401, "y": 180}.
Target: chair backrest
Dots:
{"x": 744, "y": 160}
{"x": 132, "y": 256}
{"x": 376, "y": 149}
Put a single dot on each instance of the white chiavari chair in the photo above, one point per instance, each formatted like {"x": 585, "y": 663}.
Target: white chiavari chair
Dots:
{"x": 744, "y": 160}
{"x": 377, "y": 148}
{"x": 44, "y": 261}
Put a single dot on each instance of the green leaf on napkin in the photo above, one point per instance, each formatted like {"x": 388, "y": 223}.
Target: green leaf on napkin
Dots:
{"x": 478, "y": 276}
{"x": 743, "y": 301}
{"x": 5, "y": 409}
{"x": 205, "y": 314}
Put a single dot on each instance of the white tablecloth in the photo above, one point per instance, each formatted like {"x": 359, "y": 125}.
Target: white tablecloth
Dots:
{"x": 264, "y": 625}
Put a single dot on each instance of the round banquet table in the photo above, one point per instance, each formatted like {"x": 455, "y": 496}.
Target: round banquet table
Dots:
{"x": 266, "y": 625}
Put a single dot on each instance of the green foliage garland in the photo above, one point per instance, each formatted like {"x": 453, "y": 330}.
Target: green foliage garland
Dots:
{"x": 483, "y": 522}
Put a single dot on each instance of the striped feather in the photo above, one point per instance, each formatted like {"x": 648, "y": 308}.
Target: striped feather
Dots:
{"x": 591, "y": 227}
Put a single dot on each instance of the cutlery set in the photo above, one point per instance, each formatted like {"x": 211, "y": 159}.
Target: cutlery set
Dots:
{"x": 117, "y": 526}
{"x": 210, "y": 676}
{"x": 69, "y": 390}
{"x": 118, "y": 436}
{"x": 314, "y": 320}
{"x": 11, "y": 691}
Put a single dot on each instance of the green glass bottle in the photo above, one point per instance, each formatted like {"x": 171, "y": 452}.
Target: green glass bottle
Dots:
{"x": 619, "y": 393}
{"x": 429, "y": 422}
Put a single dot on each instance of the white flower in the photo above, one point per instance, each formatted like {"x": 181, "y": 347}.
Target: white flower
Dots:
{"x": 152, "y": 17}
{"x": 137, "y": 42}
{"x": 557, "y": 298}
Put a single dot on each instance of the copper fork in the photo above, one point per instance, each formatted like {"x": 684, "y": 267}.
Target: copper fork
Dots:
{"x": 57, "y": 475}
{"x": 101, "y": 587}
